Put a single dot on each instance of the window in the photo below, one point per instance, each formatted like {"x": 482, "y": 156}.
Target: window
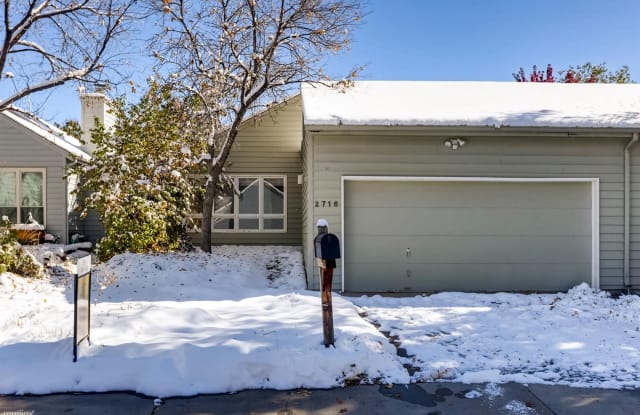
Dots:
{"x": 22, "y": 195}
{"x": 258, "y": 205}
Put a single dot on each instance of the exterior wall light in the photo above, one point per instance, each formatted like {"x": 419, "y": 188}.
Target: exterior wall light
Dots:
{"x": 455, "y": 143}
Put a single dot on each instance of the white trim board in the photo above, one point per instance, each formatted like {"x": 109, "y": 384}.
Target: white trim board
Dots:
{"x": 595, "y": 205}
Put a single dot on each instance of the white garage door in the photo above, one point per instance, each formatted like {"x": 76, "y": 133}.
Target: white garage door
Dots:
{"x": 422, "y": 236}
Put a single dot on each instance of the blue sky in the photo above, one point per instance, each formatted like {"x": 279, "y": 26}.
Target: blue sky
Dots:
{"x": 490, "y": 39}
{"x": 483, "y": 40}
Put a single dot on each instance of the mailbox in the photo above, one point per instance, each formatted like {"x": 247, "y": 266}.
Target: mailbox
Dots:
{"x": 327, "y": 246}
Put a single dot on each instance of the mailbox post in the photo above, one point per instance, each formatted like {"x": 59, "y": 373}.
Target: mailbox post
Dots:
{"x": 327, "y": 250}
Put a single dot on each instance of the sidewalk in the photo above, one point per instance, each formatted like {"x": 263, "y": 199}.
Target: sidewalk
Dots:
{"x": 423, "y": 399}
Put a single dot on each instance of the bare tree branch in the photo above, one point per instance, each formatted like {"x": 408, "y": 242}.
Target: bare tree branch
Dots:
{"x": 229, "y": 57}
{"x": 74, "y": 37}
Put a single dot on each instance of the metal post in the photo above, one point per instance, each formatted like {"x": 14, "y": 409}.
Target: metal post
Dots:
{"x": 82, "y": 302}
{"x": 75, "y": 318}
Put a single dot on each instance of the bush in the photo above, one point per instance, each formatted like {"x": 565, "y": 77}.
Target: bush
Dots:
{"x": 7, "y": 235}
{"x": 138, "y": 177}
{"x": 144, "y": 226}
{"x": 13, "y": 257}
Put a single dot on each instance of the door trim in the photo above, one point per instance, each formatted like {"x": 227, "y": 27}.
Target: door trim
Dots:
{"x": 595, "y": 205}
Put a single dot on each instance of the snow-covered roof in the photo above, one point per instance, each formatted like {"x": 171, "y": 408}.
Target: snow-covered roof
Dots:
{"x": 473, "y": 104}
{"x": 48, "y": 132}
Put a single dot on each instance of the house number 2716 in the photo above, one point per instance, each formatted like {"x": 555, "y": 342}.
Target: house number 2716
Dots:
{"x": 326, "y": 203}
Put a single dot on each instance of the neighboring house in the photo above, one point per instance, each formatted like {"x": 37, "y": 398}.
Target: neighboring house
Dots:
{"x": 473, "y": 186}
{"x": 34, "y": 156}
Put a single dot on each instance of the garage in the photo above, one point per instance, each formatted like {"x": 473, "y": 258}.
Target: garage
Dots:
{"x": 425, "y": 234}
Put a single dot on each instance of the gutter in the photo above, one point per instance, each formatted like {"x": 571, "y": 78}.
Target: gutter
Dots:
{"x": 627, "y": 212}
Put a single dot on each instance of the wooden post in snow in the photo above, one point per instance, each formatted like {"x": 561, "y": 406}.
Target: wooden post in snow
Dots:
{"x": 327, "y": 250}
{"x": 326, "y": 279}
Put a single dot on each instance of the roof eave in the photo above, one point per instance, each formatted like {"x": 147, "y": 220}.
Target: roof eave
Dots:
{"x": 471, "y": 129}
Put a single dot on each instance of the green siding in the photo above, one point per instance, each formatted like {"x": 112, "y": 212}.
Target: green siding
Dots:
{"x": 501, "y": 155}
{"x": 307, "y": 212}
{"x": 270, "y": 144}
{"x": 634, "y": 254}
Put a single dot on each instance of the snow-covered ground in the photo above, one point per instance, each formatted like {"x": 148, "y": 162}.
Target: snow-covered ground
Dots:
{"x": 182, "y": 324}
{"x": 579, "y": 338}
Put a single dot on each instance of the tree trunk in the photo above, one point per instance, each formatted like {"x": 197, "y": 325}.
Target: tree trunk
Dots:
{"x": 207, "y": 208}
{"x": 215, "y": 170}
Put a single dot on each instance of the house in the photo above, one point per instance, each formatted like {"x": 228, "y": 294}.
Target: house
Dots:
{"x": 34, "y": 156}
{"x": 430, "y": 186}
{"x": 472, "y": 186}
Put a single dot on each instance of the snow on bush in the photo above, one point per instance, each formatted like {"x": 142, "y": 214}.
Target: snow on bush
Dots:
{"x": 13, "y": 257}
{"x": 582, "y": 301}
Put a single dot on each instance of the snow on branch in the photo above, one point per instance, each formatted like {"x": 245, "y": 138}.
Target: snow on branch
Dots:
{"x": 74, "y": 37}
{"x": 229, "y": 57}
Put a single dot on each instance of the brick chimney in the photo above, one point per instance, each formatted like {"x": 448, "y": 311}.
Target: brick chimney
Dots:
{"x": 93, "y": 105}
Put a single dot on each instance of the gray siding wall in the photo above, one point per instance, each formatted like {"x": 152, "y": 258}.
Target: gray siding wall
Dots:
{"x": 89, "y": 227}
{"x": 270, "y": 144}
{"x": 307, "y": 212}
{"x": 634, "y": 257}
{"x": 20, "y": 148}
{"x": 499, "y": 155}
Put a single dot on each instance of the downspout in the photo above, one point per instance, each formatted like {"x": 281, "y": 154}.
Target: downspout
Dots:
{"x": 627, "y": 212}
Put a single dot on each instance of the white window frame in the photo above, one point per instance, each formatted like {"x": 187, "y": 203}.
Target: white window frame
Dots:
{"x": 261, "y": 216}
{"x": 18, "y": 172}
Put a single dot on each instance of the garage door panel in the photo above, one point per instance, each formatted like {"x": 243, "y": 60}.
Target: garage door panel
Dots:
{"x": 467, "y": 277}
{"x": 379, "y": 277}
{"x": 504, "y": 249}
{"x": 468, "y": 221}
{"x": 463, "y": 249}
{"x": 464, "y": 194}
{"x": 469, "y": 236}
